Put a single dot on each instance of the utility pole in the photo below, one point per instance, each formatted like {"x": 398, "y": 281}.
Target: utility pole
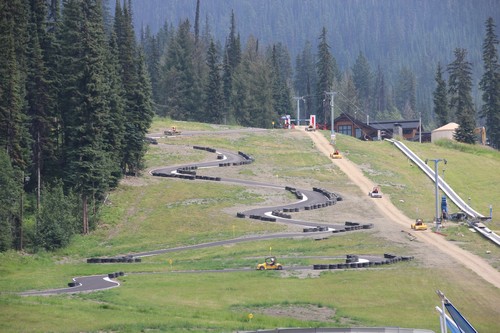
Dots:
{"x": 436, "y": 186}
{"x": 298, "y": 108}
{"x": 420, "y": 127}
{"x": 332, "y": 105}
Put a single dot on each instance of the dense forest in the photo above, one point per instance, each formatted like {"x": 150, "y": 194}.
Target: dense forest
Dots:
{"x": 393, "y": 36}
{"x": 79, "y": 86}
{"x": 75, "y": 105}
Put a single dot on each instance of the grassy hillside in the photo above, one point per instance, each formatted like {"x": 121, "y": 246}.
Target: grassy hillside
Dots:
{"x": 472, "y": 172}
{"x": 150, "y": 213}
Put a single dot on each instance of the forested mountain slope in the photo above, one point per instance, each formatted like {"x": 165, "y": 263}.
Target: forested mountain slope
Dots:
{"x": 390, "y": 33}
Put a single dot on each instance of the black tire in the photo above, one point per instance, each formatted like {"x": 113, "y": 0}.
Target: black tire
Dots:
{"x": 261, "y": 268}
{"x": 280, "y": 268}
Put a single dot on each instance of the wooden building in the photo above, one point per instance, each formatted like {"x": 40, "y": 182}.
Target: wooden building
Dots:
{"x": 378, "y": 130}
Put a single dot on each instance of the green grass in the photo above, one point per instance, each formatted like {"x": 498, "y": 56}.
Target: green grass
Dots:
{"x": 152, "y": 213}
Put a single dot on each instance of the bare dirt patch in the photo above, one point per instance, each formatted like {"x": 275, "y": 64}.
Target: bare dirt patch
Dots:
{"x": 306, "y": 312}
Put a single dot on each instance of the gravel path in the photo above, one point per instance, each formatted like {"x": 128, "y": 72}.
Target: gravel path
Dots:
{"x": 436, "y": 250}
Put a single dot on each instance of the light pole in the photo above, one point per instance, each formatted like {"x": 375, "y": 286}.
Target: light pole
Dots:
{"x": 298, "y": 108}
{"x": 436, "y": 187}
{"x": 420, "y": 127}
{"x": 332, "y": 105}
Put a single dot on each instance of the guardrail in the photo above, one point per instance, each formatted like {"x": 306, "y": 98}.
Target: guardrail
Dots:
{"x": 441, "y": 183}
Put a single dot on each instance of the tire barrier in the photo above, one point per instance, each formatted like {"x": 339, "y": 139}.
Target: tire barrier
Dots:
{"x": 245, "y": 156}
{"x": 216, "y": 179}
{"x": 296, "y": 192}
{"x": 263, "y": 218}
{"x": 175, "y": 175}
{"x": 328, "y": 194}
{"x": 186, "y": 172}
{"x": 115, "y": 275}
{"x": 349, "y": 226}
{"x": 316, "y": 229}
{"x": 325, "y": 199}
{"x": 280, "y": 214}
{"x": 210, "y": 150}
{"x": 124, "y": 259}
{"x": 353, "y": 261}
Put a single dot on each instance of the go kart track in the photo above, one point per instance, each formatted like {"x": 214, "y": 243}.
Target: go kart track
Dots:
{"x": 306, "y": 200}
{"x": 390, "y": 218}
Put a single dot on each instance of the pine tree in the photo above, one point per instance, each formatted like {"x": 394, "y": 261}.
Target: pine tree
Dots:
{"x": 348, "y": 102}
{"x": 252, "y": 85}
{"x": 151, "y": 49}
{"x": 197, "y": 22}
{"x": 363, "y": 80}
{"x": 114, "y": 123}
{"x": 39, "y": 95}
{"x": 440, "y": 98}
{"x": 490, "y": 85}
{"x": 380, "y": 99}
{"x": 279, "y": 62}
{"x": 9, "y": 202}
{"x": 325, "y": 70}
{"x": 405, "y": 93}
{"x": 137, "y": 92}
{"x": 57, "y": 220}
{"x": 87, "y": 94}
{"x": 214, "y": 101}
{"x": 13, "y": 36}
{"x": 179, "y": 82}
{"x": 231, "y": 60}
{"x": 459, "y": 90}
{"x": 305, "y": 81}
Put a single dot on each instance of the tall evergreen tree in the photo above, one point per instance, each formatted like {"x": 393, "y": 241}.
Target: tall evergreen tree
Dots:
{"x": 197, "y": 22}
{"x": 305, "y": 81}
{"x": 214, "y": 101}
{"x": 39, "y": 95}
{"x": 114, "y": 123}
{"x": 13, "y": 38}
{"x": 490, "y": 84}
{"x": 136, "y": 91}
{"x": 380, "y": 99}
{"x": 440, "y": 98}
{"x": 87, "y": 94}
{"x": 405, "y": 93}
{"x": 253, "y": 86}
{"x": 279, "y": 62}
{"x": 459, "y": 90}
{"x": 150, "y": 45}
{"x": 363, "y": 80}
{"x": 325, "y": 69}
{"x": 348, "y": 101}
{"x": 179, "y": 82}
{"x": 9, "y": 202}
{"x": 231, "y": 60}
{"x": 57, "y": 220}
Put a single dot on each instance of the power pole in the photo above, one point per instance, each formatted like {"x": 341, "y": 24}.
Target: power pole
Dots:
{"x": 298, "y": 108}
{"x": 332, "y": 105}
{"x": 436, "y": 187}
{"x": 420, "y": 128}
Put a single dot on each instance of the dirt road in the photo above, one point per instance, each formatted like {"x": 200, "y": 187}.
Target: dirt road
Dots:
{"x": 437, "y": 247}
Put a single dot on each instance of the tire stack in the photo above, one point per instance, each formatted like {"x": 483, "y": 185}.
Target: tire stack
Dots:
{"x": 352, "y": 261}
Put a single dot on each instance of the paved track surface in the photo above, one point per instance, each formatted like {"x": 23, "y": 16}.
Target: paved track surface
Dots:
{"x": 473, "y": 262}
{"x": 84, "y": 284}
